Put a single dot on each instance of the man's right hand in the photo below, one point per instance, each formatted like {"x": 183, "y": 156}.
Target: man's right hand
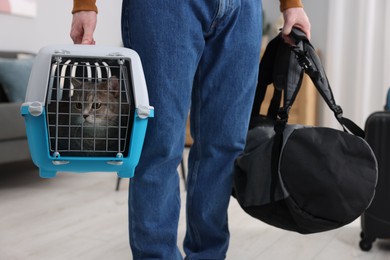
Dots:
{"x": 83, "y": 27}
{"x": 295, "y": 17}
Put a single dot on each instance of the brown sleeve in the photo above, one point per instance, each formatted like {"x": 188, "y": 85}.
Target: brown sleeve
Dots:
{"x": 285, "y": 4}
{"x": 84, "y": 5}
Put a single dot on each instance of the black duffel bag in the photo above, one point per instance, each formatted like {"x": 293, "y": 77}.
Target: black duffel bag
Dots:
{"x": 301, "y": 178}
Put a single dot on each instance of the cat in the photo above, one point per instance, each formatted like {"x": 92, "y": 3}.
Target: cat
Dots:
{"x": 95, "y": 111}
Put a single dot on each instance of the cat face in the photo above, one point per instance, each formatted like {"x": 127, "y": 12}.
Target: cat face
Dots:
{"x": 95, "y": 104}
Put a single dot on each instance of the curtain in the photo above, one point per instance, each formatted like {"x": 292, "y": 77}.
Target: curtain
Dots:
{"x": 357, "y": 57}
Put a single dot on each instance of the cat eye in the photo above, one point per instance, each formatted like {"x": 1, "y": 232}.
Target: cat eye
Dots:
{"x": 96, "y": 105}
{"x": 79, "y": 105}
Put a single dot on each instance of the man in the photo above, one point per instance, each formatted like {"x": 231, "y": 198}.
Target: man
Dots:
{"x": 200, "y": 55}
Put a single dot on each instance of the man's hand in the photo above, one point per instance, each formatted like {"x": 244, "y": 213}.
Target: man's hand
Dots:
{"x": 83, "y": 26}
{"x": 295, "y": 17}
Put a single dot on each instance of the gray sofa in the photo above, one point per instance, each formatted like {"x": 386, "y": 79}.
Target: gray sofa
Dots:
{"x": 13, "y": 140}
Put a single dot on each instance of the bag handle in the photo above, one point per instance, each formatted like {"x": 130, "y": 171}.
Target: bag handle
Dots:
{"x": 284, "y": 65}
{"x": 275, "y": 68}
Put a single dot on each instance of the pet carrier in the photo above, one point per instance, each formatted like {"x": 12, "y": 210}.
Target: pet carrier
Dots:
{"x": 86, "y": 109}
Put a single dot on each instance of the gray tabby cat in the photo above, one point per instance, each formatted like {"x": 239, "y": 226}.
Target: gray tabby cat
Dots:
{"x": 95, "y": 115}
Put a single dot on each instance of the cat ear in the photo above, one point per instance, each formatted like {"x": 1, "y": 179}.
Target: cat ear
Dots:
{"x": 77, "y": 83}
{"x": 113, "y": 83}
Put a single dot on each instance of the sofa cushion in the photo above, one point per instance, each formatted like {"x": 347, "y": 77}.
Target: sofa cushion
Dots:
{"x": 13, "y": 126}
{"x": 14, "y": 75}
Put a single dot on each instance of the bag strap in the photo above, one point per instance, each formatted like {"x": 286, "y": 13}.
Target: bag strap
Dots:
{"x": 284, "y": 66}
{"x": 309, "y": 61}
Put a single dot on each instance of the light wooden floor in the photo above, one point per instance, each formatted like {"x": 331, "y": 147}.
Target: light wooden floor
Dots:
{"x": 82, "y": 217}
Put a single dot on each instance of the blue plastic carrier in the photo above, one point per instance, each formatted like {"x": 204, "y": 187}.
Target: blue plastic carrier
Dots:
{"x": 86, "y": 110}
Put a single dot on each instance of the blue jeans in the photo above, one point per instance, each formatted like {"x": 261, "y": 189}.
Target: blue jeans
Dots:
{"x": 203, "y": 56}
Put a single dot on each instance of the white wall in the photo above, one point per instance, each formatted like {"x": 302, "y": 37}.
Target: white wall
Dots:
{"x": 52, "y": 25}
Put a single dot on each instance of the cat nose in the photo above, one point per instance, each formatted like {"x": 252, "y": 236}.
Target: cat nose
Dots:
{"x": 85, "y": 116}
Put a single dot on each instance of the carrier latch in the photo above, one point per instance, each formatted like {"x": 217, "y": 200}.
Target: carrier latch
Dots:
{"x": 145, "y": 111}
{"x": 35, "y": 108}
